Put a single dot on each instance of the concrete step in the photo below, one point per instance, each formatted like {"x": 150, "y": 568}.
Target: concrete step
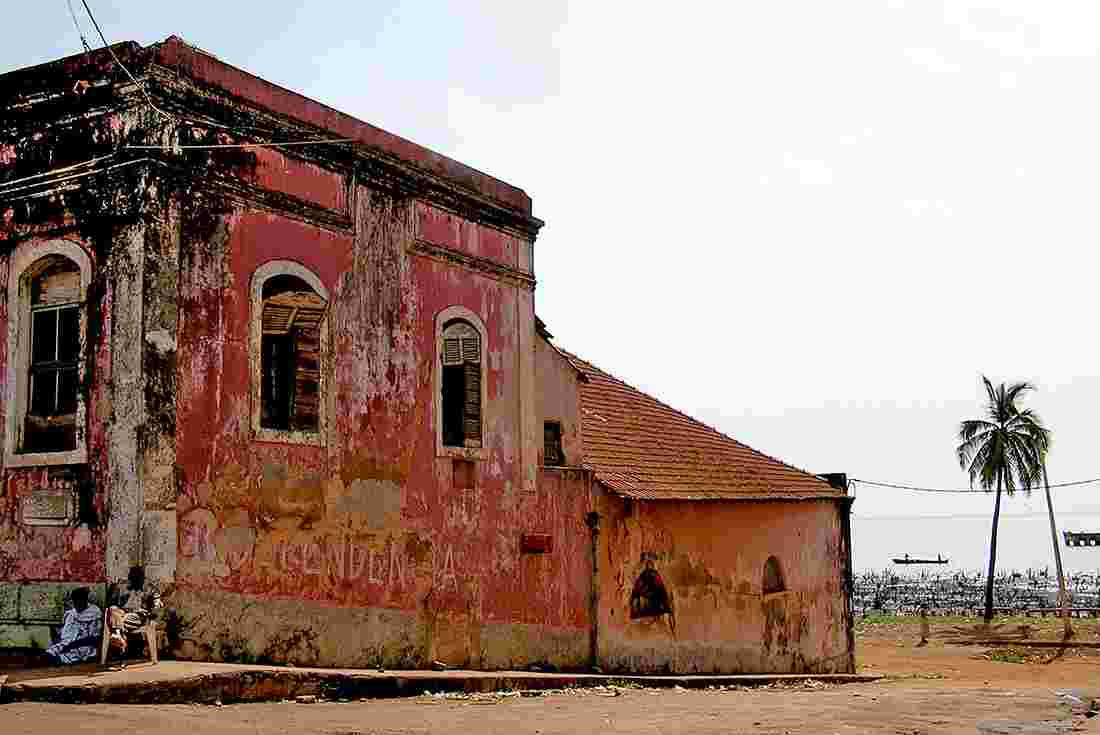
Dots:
{"x": 180, "y": 682}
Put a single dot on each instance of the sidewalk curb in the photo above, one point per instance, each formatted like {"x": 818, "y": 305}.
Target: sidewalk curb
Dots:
{"x": 258, "y": 685}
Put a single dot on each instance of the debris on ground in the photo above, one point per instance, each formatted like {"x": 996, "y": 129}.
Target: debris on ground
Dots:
{"x": 1078, "y": 703}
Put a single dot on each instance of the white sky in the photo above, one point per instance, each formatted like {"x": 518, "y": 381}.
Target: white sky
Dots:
{"x": 812, "y": 225}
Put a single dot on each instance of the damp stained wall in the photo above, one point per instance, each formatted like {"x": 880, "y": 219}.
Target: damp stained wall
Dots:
{"x": 558, "y": 399}
{"x": 359, "y": 549}
{"x": 375, "y": 545}
{"x": 711, "y": 556}
{"x": 71, "y": 545}
{"x": 61, "y": 522}
{"x": 366, "y": 549}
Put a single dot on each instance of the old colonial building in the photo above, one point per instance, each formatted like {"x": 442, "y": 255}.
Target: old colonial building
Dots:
{"x": 289, "y": 364}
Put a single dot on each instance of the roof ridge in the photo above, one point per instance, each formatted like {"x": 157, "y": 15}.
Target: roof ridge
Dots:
{"x": 576, "y": 358}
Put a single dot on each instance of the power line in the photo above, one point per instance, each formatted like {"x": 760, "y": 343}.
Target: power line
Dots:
{"x": 76, "y": 25}
{"x": 141, "y": 85}
{"x": 897, "y": 486}
{"x": 149, "y": 100}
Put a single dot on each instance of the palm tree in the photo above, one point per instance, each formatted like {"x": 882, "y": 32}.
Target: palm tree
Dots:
{"x": 1004, "y": 450}
{"x": 1063, "y": 597}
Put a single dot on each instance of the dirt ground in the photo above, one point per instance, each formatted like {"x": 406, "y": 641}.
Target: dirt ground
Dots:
{"x": 943, "y": 687}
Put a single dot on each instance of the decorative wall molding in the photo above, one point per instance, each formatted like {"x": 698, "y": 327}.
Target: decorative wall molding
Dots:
{"x": 485, "y": 266}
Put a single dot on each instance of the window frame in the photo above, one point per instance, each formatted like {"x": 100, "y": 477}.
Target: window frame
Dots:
{"x": 26, "y": 262}
{"x": 444, "y": 317}
{"x": 561, "y": 443}
{"x": 260, "y": 276}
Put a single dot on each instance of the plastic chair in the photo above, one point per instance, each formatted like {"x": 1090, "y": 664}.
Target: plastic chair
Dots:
{"x": 149, "y": 630}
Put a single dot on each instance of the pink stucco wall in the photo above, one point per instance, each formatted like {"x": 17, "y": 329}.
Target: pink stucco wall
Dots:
{"x": 711, "y": 557}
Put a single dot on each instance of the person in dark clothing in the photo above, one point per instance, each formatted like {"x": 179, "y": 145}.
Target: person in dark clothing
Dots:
{"x": 131, "y": 609}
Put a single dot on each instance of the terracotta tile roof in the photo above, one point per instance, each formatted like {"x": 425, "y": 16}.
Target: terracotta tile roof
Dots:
{"x": 640, "y": 448}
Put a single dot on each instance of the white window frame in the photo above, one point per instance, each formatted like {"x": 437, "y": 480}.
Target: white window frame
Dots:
{"x": 260, "y": 433}
{"x": 23, "y": 266}
{"x": 449, "y": 314}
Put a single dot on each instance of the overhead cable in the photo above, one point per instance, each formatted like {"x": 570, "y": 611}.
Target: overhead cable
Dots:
{"x": 897, "y": 486}
{"x": 76, "y": 25}
{"x": 141, "y": 85}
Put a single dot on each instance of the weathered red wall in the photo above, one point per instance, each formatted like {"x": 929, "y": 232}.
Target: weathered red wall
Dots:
{"x": 208, "y": 70}
{"x": 711, "y": 557}
{"x": 371, "y": 522}
{"x": 73, "y": 553}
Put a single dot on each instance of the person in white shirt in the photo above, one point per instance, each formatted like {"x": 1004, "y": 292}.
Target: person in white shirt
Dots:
{"x": 80, "y": 631}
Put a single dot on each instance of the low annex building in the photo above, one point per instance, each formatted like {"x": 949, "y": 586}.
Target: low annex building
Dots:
{"x": 304, "y": 387}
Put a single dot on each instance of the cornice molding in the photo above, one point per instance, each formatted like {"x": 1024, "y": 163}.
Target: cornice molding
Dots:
{"x": 371, "y": 167}
{"x": 485, "y": 266}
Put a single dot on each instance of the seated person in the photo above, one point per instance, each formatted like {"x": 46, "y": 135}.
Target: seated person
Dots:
{"x": 131, "y": 609}
{"x": 80, "y": 631}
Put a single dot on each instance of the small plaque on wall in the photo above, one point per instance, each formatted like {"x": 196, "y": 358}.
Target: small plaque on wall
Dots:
{"x": 536, "y": 543}
{"x": 50, "y": 503}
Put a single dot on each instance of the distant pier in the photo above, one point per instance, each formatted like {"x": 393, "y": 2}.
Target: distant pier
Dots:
{"x": 1081, "y": 538}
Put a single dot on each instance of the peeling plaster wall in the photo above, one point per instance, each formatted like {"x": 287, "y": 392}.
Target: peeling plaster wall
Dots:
{"x": 558, "y": 399}
{"x": 271, "y": 549}
{"x": 450, "y": 230}
{"x": 711, "y": 557}
{"x": 75, "y": 550}
{"x": 103, "y": 215}
{"x": 363, "y": 550}
{"x": 128, "y": 404}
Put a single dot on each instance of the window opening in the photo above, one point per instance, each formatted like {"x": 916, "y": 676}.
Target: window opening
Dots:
{"x": 290, "y": 355}
{"x": 773, "y": 576}
{"x": 461, "y": 385}
{"x": 54, "y": 364}
{"x": 649, "y": 598}
{"x": 551, "y": 439}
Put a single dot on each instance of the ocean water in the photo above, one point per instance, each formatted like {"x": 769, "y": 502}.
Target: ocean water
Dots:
{"x": 1023, "y": 542}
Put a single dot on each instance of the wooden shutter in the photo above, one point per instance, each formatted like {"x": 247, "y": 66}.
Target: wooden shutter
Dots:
{"x": 471, "y": 349}
{"x": 461, "y": 351}
{"x": 292, "y": 319}
{"x": 306, "y": 406}
{"x": 471, "y": 414}
{"x": 452, "y": 351}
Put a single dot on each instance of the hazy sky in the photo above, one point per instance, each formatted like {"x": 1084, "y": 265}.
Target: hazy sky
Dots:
{"x": 812, "y": 225}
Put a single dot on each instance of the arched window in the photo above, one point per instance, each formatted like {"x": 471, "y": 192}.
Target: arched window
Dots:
{"x": 52, "y": 374}
{"x": 288, "y": 346}
{"x": 46, "y": 348}
{"x": 773, "y": 576}
{"x": 461, "y": 384}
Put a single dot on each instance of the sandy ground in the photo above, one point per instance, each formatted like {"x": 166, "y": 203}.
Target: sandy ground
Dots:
{"x": 939, "y": 688}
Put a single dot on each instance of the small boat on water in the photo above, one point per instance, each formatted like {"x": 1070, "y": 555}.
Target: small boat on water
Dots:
{"x": 917, "y": 560}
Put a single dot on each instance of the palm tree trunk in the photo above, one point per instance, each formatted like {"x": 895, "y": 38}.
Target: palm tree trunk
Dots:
{"x": 1063, "y": 597}
{"x": 992, "y": 555}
